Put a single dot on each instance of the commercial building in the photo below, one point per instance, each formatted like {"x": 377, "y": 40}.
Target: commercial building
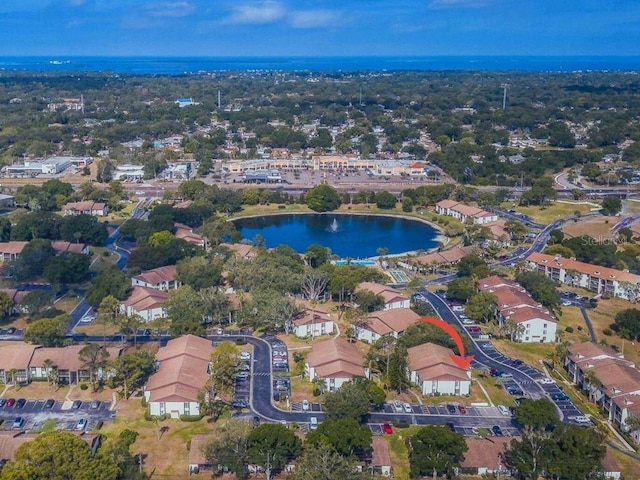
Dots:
{"x": 601, "y": 280}
{"x": 55, "y": 165}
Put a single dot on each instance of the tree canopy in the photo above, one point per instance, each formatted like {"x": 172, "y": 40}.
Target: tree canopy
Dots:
{"x": 55, "y": 455}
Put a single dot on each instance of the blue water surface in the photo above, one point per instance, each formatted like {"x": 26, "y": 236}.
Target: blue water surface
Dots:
{"x": 188, "y": 65}
{"x": 348, "y": 236}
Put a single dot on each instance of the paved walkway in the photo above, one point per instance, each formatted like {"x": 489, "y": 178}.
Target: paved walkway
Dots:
{"x": 587, "y": 320}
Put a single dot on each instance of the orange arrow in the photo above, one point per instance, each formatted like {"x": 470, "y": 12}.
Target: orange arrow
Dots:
{"x": 461, "y": 361}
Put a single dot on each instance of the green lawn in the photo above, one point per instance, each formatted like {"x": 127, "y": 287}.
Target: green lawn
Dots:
{"x": 547, "y": 215}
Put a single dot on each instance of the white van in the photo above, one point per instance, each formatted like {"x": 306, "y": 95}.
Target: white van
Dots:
{"x": 503, "y": 410}
{"x": 313, "y": 423}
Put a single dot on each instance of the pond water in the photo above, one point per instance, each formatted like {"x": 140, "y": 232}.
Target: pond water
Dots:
{"x": 348, "y": 236}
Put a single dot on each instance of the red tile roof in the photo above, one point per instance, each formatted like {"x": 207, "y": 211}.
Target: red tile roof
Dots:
{"x": 484, "y": 452}
{"x": 394, "y": 320}
{"x": 336, "y": 356}
{"x": 595, "y": 271}
{"x": 433, "y": 362}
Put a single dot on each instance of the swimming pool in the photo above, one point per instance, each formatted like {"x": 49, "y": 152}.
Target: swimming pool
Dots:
{"x": 360, "y": 263}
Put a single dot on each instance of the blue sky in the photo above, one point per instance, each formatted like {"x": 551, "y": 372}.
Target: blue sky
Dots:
{"x": 319, "y": 27}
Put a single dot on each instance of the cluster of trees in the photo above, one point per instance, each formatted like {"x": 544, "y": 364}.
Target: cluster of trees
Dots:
{"x": 551, "y": 450}
{"x": 50, "y": 226}
{"x": 57, "y": 454}
{"x": 340, "y": 440}
{"x": 627, "y": 324}
{"x": 39, "y": 259}
{"x": 388, "y": 116}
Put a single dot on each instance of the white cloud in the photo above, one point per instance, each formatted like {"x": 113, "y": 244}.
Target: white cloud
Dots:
{"x": 257, "y": 13}
{"x": 312, "y": 18}
{"x": 170, "y": 9}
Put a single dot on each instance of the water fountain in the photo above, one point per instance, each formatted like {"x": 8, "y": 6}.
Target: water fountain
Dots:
{"x": 333, "y": 228}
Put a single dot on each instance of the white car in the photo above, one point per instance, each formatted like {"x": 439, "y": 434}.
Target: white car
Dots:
{"x": 305, "y": 405}
{"x": 566, "y": 303}
{"x": 407, "y": 408}
{"x": 582, "y": 419}
{"x": 397, "y": 406}
{"x": 546, "y": 381}
{"x": 503, "y": 410}
{"x": 244, "y": 355}
{"x": 468, "y": 321}
{"x": 87, "y": 319}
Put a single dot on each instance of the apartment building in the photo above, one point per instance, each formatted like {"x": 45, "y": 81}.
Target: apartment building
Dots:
{"x": 464, "y": 212}
{"x": 533, "y": 322}
{"x": 609, "y": 379}
{"x": 601, "y": 280}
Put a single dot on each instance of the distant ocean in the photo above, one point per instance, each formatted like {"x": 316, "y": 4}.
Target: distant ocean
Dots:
{"x": 190, "y": 65}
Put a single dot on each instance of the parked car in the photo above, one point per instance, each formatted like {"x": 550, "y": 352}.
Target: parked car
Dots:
{"x": 407, "y": 408}
{"x": 387, "y": 428}
{"x": 95, "y": 404}
{"x": 497, "y": 431}
{"x": 451, "y": 426}
{"x": 242, "y": 375}
{"x": 21, "y": 402}
{"x": 11, "y": 402}
{"x": 17, "y": 423}
{"x": 546, "y": 381}
{"x": 397, "y": 406}
{"x": 305, "y": 405}
{"x": 451, "y": 408}
{"x": 462, "y": 409}
{"x": 2, "y": 402}
{"x": 82, "y": 424}
{"x": 313, "y": 423}
{"x": 244, "y": 355}
{"x": 239, "y": 404}
{"x": 503, "y": 410}
{"x": 76, "y": 404}
{"x": 49, "y": 403}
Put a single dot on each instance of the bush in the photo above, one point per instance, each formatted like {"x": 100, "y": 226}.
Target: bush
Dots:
{"x": 84, "y": 386}
{"x": 191, "y": 418}
{"x": 241, "y": 341}
{"x": 580, "y": 328}
{"x": 281, "y": 207}
{"x": 569, "y": 329}
{"x": 316, "y": 392}
{"x": 99, "y": 424}
{"x": 607, "y": 332}
{"x": 143, "y": 402}
{"x": 401, "y": 424}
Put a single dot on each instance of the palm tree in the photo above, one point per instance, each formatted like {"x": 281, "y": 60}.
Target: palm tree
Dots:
{"x": 12, "y": 373}
{"x": 592, "y": 383}
{"x": 50, "y": 369}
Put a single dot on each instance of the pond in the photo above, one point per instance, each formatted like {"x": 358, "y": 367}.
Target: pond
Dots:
{"x": 348, "y": 236}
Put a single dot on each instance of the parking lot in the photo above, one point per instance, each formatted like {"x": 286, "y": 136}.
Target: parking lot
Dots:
{"x": 489, "y": 350}
{"x": 66, "y": 414}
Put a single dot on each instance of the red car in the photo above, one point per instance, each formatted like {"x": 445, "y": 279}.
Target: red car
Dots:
{"x": 10, "y": 402}
{"x": 462, "y": 409}
{"x": 387, "y": 428}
